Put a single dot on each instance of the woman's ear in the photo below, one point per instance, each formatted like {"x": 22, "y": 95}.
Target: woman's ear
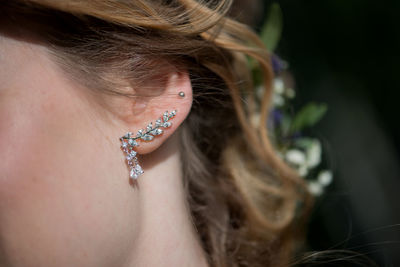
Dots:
{"x": 175, "y": 95}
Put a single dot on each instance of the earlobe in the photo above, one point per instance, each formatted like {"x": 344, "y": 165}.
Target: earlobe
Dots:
{"x": 177, "y": 97}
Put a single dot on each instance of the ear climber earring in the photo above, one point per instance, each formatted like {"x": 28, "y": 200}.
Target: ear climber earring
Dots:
{"x": 129, "y": 141}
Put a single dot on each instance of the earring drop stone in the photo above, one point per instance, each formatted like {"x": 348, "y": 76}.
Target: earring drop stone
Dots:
{"x": 181, "y": 94}
{"x": 129, "y": 141}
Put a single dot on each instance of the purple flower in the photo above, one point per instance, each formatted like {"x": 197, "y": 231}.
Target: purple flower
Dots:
{"x": 295, "y": 135}
{"x": 277, "y": 116}
{"x": 277, "y": 64}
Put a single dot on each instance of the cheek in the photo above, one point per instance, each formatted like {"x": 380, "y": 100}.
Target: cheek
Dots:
{"x": 58, "y": 201}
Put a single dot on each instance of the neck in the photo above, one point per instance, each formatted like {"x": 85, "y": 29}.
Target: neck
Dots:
{"x": 167, "y": 236}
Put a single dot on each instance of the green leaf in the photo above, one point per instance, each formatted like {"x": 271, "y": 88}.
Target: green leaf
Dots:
{"x": 304, "y": 142}
{"x": 308, "y": 116}
{"x": 271, "y": 31}
{"x": 285, "y": 125}
{"x": 256, "y": 73}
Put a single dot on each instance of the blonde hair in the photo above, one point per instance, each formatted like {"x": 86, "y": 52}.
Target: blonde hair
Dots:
{"x": 249, "y": 207}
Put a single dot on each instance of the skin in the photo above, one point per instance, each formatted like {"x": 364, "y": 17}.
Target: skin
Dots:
{"x": 65, "y": 195}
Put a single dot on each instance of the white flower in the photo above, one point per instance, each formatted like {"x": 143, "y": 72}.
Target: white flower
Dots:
{"x": 313, "y": 154}
{"x": 279, "y": 86}
{"x": 260, "y": 90}
{"x": 290, "y": 93}
{"x": 325, "y": 177}
{"x": 278, "y": 100}
{"x": 255, "y": 119}
{"x": 315, "y": 188}
{"x": 295, "y": 157}
{"x": 303, "y": 170}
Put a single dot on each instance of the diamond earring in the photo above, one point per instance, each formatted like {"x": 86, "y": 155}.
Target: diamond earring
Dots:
{"x": 129, "y": 141}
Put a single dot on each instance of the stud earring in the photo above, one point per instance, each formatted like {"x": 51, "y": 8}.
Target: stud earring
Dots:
{"x": 129, "y": 141}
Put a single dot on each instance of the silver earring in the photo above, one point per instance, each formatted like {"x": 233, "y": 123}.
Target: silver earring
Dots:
{"x": 129, "y": 141}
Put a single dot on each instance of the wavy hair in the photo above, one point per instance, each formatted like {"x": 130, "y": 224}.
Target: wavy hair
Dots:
{"x": 248, "y": 207}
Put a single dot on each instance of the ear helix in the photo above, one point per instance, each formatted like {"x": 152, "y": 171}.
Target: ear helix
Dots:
{"x": 129, "y": 141}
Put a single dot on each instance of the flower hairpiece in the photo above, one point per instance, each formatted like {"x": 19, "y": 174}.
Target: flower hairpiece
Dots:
{"x": 286, "y": 127}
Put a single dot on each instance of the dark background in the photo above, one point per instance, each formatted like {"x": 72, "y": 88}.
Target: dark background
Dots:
{"x": 346, "y": 53}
